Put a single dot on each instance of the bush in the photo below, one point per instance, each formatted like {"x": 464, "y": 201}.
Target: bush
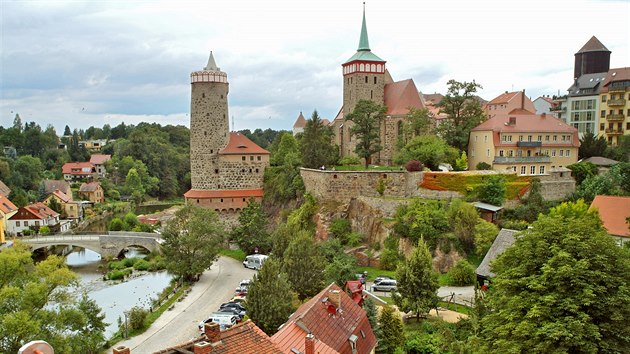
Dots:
{"x": 414, "y": 165}
{"x": 27, "y": 232}
{"x": 116, "y": 225}
{"x": 117, "y": 265}
{"x": 131, "y": 220}
{"x": 483, "y": 166}
{"x": 141, "y": 264}
{"x": 44, "y": 230}
{"x": 137, "y": 315}
{"x": 340, "y": 228}
{"x": 515, "y": 224}
{"x": 118, "y": 274}
{"x": 129, "y": 262}
{"x": 462, "y": 274}
{"x": 349, "y": 160}
{"x": 354, "y": 239}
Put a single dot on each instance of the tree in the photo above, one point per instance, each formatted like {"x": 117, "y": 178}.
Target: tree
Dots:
{"x": 192, "y": 240}
{"x": 417, "y": 122}
{"x": 316, "y": 144}
{"x": 492, "y": 191}
{"x": 582, "y": 171}
{"x": 421, "y": 219}
{"x": 533, "y": 204}
{"x": 461, "y": 163}
{"x": 67, "y": 131}
{"x": 282, "y": 180}
{"x": 36, "y": 303}
{"x": 430, "y": 149}
{"x": 564, "y": 287}
{"x": 417, "y": 282}
{"x": 463, "y": 112}
{"x": 367, "y": 117}
{"x": 462, "y": 274}
{"x": 463, "y": 217}
{"x": 304, "y": 265}
{"x": 251, "y": 234}
{"x": 269, "y": 297}
{"x": 391, "y": 328}
{"x": 485, "y": 233}
{"x": 591, "y": 145}
{"x": 341, "y": 269}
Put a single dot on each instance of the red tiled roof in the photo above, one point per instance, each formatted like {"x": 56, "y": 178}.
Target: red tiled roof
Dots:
{"x": 62, "y": 196}
{"x": 39, "y": 211}
{"x": 613, "y": 212}
{"x": 236, "y": 193}
{"x": 6, "y": 206}
{"x": 99, "y": 159}
{"x": 332, "y": 332}
{"x": 325, "y": 122}
{"x": 504, "y": 98}
{"x": 239, "y": 144}
{"x": 300, "y": 122}
{"x": 617, "y": 74}
{"x": 4, "y": 189}
{"x": 76, "y": 168}
{"x": 89, "y": 187}
{"x": 400, "y": 96}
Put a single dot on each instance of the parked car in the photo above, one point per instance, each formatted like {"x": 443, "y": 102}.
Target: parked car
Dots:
{"x": 235, "y": 306}
{"x": 385, "y": 285}
{"x": 225, "y": 320}
{"x": 232, "y": 311}
{"x": 380, "y": 278}
{"x": 254, "y": 261}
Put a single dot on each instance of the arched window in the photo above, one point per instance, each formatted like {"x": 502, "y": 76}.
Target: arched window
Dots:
{"x": 361, "y": 67}
{"x": 373, "y": 67}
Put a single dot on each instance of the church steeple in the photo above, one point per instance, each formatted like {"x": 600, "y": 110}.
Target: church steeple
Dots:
{"x": 364, "y": 43}
{"x": 212, "y": 65}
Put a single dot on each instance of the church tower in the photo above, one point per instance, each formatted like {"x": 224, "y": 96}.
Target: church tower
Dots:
{"x": 209, "y": 124}
{"x": 363, "y": 75}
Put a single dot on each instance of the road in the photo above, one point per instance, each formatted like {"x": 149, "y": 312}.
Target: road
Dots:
{"x": 179, "y": 325}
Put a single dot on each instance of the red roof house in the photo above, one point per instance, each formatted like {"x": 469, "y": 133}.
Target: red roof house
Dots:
{"x": 33, "y": 215}
{"x": 613, "y": 211}
{"x": 239, "y": 144}
{"x": 73, "y": 171}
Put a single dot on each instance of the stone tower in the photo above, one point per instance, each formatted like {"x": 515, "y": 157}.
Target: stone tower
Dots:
{"x": 363, "y": 75}
{"x": 209, "y": 124}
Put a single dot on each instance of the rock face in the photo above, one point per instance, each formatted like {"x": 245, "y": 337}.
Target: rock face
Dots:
{"x": 372, "y": 217}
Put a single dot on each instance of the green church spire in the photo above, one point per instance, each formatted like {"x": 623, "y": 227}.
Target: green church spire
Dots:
{"x": 364, "y": 43}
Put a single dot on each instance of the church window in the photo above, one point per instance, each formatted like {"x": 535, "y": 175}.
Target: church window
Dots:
{"x": 366, "y": 79}
{"x": 374, "y": 79}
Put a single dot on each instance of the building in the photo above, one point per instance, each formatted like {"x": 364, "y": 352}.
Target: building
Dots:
{"x": 69, "y": 208}
{"x": 614, "y": 212}
{"x": 50, "y": 185}
{"x": 92, "y": 191}
{"x": 226, "y": 168}
{"x": 98, "y": 160}
{"x": 545, "y": 104}
{"x": 7, "y": 210}
{"x": 523, "y": 142}
{"x": 4, "y": 189}
{"x": 299, "y": 125}
{"x": 614, "y": 101}
{"x": 33, "y": 217}
{"x": 507, "y": 102}
{"x": 592, "y": 62}
{"x": 504, "y": 240}
{"x": 78, "y": 171}
{"x": 365, "y": 77}
{"x": 93, "y": 145}
{"x": 335, "y": 323}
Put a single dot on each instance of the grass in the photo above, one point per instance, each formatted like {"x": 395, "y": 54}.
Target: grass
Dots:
{"x": 455, "y": 307}
{"x": 474, "y": 259}
{"x": 374, "y": 272}
{"x": 443, "y": 279}
{"x": 239, "y": 255}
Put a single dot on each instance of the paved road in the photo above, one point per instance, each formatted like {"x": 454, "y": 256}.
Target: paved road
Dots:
{"x": 179, "y": 325}
{"x": 463, "y": 295}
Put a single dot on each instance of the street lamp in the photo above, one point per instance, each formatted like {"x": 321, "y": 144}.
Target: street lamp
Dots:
{"x": 126, "y": 324}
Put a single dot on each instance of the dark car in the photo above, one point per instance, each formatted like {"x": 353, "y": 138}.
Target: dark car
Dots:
{"x": 233, "y": 306}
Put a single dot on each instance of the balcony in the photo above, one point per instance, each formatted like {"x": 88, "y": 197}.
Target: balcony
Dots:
{"x": 529, "y": 144}
{"x": 615, "y": 117}
{"x": 521, "y": 159}
{"x": 616, "y": 89}
{"x": 616, "y": 103}
{"x": 614, "y": 131}
{"x": 558, "y": 109}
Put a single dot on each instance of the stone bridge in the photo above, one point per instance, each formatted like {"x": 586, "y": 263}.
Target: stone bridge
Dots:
{"x": 108, "y": 245}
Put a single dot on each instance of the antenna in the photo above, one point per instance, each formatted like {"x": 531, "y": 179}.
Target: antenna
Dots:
{"x": 233, "y": 123}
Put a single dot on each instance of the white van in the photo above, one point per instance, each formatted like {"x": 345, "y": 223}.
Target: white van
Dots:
{"x": 254, "y": 261}
{"x": 225, "y": 320}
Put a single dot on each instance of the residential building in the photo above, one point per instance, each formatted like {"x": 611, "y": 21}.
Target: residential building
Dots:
{"x": 507, "y": 102}
{"x": 614, "y": 212}
{"x": 523, "y": 142}
{"x": 504, "y": 240}
{"x": 98, "y": 160}
{"x": 298, "y": 126}
{"x": 33, "y": 217}
{"x": 335, "y": 322}
{"x": 614, "y": 101}
{"x": 7, "y": 210}
{"x": 365, "y": 77}
{"x": 92, "y": 191}
{"x": 69, "y": 208}
{"x": 226, "y": 168}
{"x": 50, "y": 185}
{"x": 4, "y": 189}
{"x": 94, "y": 144}
{"x": 545, "y": 104}
{"x": 78, "y": 171}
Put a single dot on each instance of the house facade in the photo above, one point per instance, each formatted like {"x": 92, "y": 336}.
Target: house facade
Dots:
{"x": 98, "y": 160}
{"x": 523, "y": 142}
{"x": 614, "y": 101}
{"x": 32, "y": 217}
{"x": 544, "y": 104}
{"x": 78, "y": 171}
{"x": 93, "y": 192}
{"x": 69, "y": 208}
{"x": 7, "y": 210}
{"x": 507, "y": 102}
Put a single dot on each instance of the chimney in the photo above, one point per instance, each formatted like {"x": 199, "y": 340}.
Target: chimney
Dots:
{"x": 309, "y": 344}
{"x": 212, "y": 331}
{"x": 121, "y": 350}
{"x": 202, "y": 348}
{"x": 523, "y": 100}
{"x": 334, "y": 296}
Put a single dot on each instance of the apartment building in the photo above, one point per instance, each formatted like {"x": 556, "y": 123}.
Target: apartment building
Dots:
{"x": 614, "y": 101}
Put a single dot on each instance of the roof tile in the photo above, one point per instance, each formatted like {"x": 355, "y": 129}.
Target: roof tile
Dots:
{"x": 613, "y": 212}
{"x": 239, "y": 144}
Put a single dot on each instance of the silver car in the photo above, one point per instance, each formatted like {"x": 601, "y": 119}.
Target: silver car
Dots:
{"x": 385, "y": 285}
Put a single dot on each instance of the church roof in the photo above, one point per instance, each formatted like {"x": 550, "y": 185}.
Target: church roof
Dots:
{"x": 593, "y": 45}
{"x": 239, "y": 144}
{"x": 363, "y": 52}
{"x": 300, "y": 122}
{"x": 400, "y": 96}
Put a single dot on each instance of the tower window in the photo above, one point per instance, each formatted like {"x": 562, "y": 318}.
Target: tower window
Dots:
{"x": 203, "y": 95}
{"x": 375, "y": 79}
{"x": 371, "y": 94}
{"x": 221, "y": 96}
{"x": 366, "y": 79}
{"x": 216, "y": 170}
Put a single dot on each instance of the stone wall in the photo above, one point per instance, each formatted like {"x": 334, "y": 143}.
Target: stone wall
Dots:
{"x": 241, "y": 174}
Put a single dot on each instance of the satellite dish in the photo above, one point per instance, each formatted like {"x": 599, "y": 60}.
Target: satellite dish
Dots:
{"x": 36, "y": 347}
{"x": 331, "y": 309}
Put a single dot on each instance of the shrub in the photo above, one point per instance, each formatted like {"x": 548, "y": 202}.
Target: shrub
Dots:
{"x": 414, "y": 165}
{"x": 141, "y": 264}
{"x": 515, "y": 224}
{"x": 129, "y": 262}
{"x": 118, "y": 274}
{"x": 355, "y": 239}
{"x": 44, "y": 230}
{"x": 462, "y": 274}
{"x": 340, "y": 228}
{"x": 137, "y": 315}
{"x": 131, "y": 220}
{"x": 116, "y": 225}
{"x": 483, "y": 166}
{"x": 380, "y": 186}
{"x": 117, "y": 265}
{"x": 349, "y": 160}
{"x": 27, "y": 232}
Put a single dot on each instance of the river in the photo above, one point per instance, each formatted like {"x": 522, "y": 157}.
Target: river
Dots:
{"x": 115, "y": 297}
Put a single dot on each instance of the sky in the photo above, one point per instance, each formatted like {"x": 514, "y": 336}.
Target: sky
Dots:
{"x": 90, "y": 63}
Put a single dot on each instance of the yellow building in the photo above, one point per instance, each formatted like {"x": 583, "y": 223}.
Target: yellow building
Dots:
{"x": 614, "y": 105}
{"x": 523, "y": 142}
{"x": 69, "y": 208}
{"x": 7, "y": 210}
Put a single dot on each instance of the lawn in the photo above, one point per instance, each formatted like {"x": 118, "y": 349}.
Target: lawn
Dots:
{"x": 372, "y": 272}
{"x": 236, "y": 254}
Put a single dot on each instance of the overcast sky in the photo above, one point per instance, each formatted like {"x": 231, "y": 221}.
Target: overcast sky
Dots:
{"x": 84, "y": 63}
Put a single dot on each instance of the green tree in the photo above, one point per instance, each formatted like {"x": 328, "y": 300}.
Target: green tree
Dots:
{"x": 582, "y": 171}
{"x": 485, "y": 233}
{"x": 131, "y": 221}
{"x": 67, "y": 131}
{"x": 417, "y": 122}
{"x": 429, "y": 149}
{"x": 391, "y": 330}
{"x": 463, "y": 217}
{"x": 282, "y": 180}
{"x": 592, "y": 145}
{"x": 492, "y": 190}
{"x": 564, "y": 287}
{"x": 36, "y": 303}
{"x": 269, "y": 297}
{"x": 417, "y": 282}
{"x": 461, "y": 163}
{"x": 421, "y": 219}
{"x": 192, "y": 240}
{"x": 463, "y": 112}
{"x": 367, "y": 117}
{"x": 533, "y": 204}
{"x": 341, "y": 269}
{"x": 304, "y": 265}
{"x": 116, "y": 224}
{"x": 251, "y": 234}
{"x": 316, "y": 144}
{"x": 462, "y": 274}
